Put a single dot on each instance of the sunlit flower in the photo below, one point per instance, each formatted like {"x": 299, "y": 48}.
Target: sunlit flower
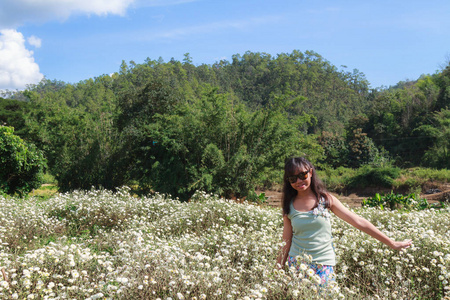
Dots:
{"x": 310, "y": 272}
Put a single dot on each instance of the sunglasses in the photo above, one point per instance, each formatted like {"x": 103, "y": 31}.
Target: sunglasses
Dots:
{"x": 301, "y": 176}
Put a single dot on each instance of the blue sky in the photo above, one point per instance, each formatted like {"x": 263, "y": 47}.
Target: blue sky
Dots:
{"x": 389, "y": 41}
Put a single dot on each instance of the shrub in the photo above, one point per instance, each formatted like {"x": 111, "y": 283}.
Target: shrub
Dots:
{"x": 21, "y": 164}
{"x": 371, "y": 176}
{"x": 255, "y": 198}
{"x": 394, "y": 201}
{"x": 336, "y": 179}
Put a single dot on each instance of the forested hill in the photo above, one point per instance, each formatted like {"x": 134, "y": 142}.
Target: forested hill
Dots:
{"x": 177, "y": 127}
{"x": 332, "y": 96}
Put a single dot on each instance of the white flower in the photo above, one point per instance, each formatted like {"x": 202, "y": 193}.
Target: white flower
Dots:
{"x": 122, "y": 280}
{"x": 26, "y": 273}
{"x": 75, "y": 274}
{"x": 97, "y": 296}
{"x": 27, "y": 283}
{"x": 305, "y": 282}
{"x": 317, "y": 278}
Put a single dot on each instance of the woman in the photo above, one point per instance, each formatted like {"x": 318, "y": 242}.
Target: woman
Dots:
{"x": 307, "y": 228}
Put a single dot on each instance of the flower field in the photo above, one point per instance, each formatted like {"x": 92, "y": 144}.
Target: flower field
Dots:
{"x": 103, "y": 245}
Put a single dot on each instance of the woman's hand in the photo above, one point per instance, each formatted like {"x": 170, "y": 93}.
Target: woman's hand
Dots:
{"x": 401, "y": 245}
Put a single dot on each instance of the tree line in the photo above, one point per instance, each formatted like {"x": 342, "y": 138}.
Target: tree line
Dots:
{"x": 175, "y": 127}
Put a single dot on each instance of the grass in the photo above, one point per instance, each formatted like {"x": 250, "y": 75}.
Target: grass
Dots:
{"x": 413, "y": 180}
{"x": 422, "y": 178}
{"x": 45, "y": 191}
{"x": 103, "y": 245}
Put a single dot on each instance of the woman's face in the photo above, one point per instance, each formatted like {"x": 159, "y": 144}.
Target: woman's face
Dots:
{"x": 301, "y": 180}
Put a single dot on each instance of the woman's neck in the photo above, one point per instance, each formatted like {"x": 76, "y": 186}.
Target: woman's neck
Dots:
{"x": 306, "y": 194}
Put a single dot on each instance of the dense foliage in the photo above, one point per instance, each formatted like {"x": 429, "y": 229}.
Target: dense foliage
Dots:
{"x": 74, "y": 127}
{"x": 175, "y": 127}
{"x": 21, "y": 163}
{"x": 412, "y": 121}
{"x": 12, "y": 114}
{"x": 215, "y": 145}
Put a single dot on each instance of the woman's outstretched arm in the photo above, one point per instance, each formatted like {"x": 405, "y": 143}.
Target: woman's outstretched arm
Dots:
{"x": 362, "y": 224}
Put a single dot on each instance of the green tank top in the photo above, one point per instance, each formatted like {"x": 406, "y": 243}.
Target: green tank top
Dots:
{"x": 312, "y": 234}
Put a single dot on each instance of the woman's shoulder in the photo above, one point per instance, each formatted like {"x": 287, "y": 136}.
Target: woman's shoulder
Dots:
{"x": 328, "y": 201}
{"x": 334, "y": 201}
{"x": 291, "y": 210}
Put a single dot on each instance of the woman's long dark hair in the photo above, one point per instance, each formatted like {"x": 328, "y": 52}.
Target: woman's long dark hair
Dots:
{"x": 291, "y": 167}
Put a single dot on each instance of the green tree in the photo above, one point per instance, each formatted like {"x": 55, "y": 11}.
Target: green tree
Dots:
{"x": 219, "y": 146}
{"x": 21, "y": 163}
{"x": 11, "y": 114}
{"x": 396, "y": 116}
{"x": 438, "y": 156}
{"x": 336, "y": 152}
{"x": 443, "y": 82}
{"x": 74, "y": 128}
{"x": 362, "y": 150}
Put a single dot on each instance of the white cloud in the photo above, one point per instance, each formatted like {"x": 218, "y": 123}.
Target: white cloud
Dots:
{"x": 34, "y": 41}
{"x": 17, "y": 65}
{"x": 14, "y": 13}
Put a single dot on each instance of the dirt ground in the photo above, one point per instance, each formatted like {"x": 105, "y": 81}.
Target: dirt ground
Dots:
{"x": 354, "y": 200}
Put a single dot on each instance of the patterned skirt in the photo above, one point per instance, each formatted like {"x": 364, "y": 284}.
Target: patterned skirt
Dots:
{"x": 326, "y": 273}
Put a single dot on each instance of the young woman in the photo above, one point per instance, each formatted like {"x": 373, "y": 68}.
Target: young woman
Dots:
{"x": 307, "y": 228}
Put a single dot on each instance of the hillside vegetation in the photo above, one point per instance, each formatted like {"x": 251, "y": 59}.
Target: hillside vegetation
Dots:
{"x": 174, "y": 127}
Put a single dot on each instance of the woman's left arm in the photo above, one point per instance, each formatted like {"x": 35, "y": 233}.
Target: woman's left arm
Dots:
{"x": 362, "y": 224}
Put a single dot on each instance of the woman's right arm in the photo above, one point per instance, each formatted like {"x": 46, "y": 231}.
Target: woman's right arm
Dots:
{"x": 362, "y": 224}
{"x": 287, "y": 239}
